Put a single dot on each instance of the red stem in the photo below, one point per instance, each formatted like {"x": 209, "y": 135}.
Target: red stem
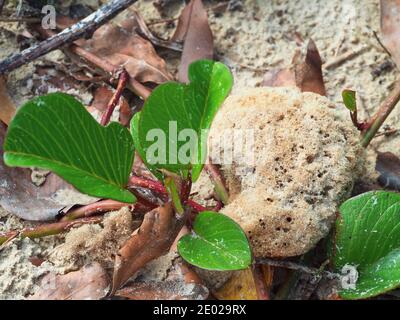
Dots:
{"x": 259, "y": 281}
{"x": 123, "y": 80}
{"x": 156, "y": 186}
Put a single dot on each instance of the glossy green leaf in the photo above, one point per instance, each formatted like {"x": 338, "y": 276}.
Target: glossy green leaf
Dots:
{"x": 368, "y": 238}
{"x": 349, "y": 100}
{"x": 216, "y": 243}
{"x": 173, "y": 107}
{"x": 57, "y": 133}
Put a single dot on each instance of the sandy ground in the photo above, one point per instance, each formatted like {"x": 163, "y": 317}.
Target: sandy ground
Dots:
{"x": 259, "y": 36}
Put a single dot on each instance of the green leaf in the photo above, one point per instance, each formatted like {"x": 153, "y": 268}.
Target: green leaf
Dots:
{"x": 57, "y": 133}
{"x": 349, "y": 100}
{"x": 173, "y": 107}
{"x": 217, "y": 243}
{"x": 368, "y": 238}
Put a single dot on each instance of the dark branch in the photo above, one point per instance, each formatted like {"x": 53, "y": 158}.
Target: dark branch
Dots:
{"x": 83, "y": 28}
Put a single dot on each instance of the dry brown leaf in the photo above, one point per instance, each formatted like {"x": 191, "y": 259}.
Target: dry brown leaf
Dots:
{"x": 166, "y": 290}
{"x": 153, "y": 239}
{"x": 305, "y": 73}
{"x": 7, "y": 109}
{"x": 89, "y": 283}
{"x": 101, "y": 98}
{"x": 241, "y": 285}
{"x": 193, "y": 27}
{"x": 308, "y": 72}
{"x": 279, "y": 78}
{"x": 390, "y": 27}
{"x": 19, "y": 196}
{"x": 122, "y": 46}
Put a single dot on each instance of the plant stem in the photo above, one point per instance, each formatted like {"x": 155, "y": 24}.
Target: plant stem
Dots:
{"x": 84, "y": 27}
{"x": 379, "y": 118}
{"x": 218, "y": 181}
{"x": 95, "y": 208}
{"x": 135, "y": 181}
{"x": 123, "y": 79}
{"x": 48, "y": 229}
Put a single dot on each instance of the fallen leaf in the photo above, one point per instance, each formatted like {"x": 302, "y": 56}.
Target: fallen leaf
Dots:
{"x": 305, "y": 72}
{"x": 388, "y": 165}
{"x": 19, "y": 195}
{"x": 193, "y": 27}
{"x": 279, "y": 78}
{"x": 101, "y": 98}
{"x": 166, "y": 290}
{"x": 128, "y": 49}
{"x": 308, "y": 72}
{"x": 241, "y": 285}
{"x": 390, "y": 27}
{"x": 7, "y": 109}
{"x": 89, "y": 283}
{"x": 153, "y": 239}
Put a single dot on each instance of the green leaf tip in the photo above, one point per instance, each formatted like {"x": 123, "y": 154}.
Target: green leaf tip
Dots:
{"x": 55, "y": 132}
{"x": 349, "y": 100}
{"x": 216, "y": 243}
{"x": 169, "y": 132}
{"x": 368, "y": 239}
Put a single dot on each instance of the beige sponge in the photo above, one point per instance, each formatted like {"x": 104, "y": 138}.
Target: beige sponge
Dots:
{"x": 304, "y": 162}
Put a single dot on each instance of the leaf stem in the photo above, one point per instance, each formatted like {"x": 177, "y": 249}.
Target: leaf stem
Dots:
{"x": 135, "y": 181}
{"x": 174, "y": 194}
{"x": 219, "y": 182}
{"x": 123, "y": 80}
{"x": 48, "y": 229}
{"x": 379, "y": 118}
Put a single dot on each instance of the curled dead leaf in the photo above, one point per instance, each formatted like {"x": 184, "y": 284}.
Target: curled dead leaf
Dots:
{"x": 7, "y": 109}
{"x": 305, "y": 72}
{"x": 130, "y": 50}
{"x": 241, "y": 285}
{"x": 194, "y": 29}
{"x": 153, "y": 239}
{"x": 89, "y": 283}
{"x": 390, "y": 27}
{"x": 21, "y": 197}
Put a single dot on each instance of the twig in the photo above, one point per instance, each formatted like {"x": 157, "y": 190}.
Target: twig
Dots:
{"x": 298, "y": 267}
{"x": 95, "y": 208}
{"x": 20, "y": 19}
{"x": 84, "y": 27}
{"x": 379, "y": 118}
{"x": 48, "y": 229}
{"x": 344, "y": 57}
{"x": 259, "y": 281}
{"x": 123, "y": 79}
{"x": 218, "y": 181}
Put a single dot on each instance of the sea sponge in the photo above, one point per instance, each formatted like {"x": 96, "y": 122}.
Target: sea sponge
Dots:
{"x": 305, "y": 161}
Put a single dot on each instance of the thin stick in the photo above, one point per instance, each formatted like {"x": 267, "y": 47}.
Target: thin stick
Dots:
{"x": 123, "y": 79}
{"x": 379, "y": 118}
{"x": 84, "y": 27}
{"x": 20, "y": 19}
{"x": 95, "y": 208}
{"x": 259, "y": 281}
{"x": 48, "y": 229}
{"x": 298, "y": 267}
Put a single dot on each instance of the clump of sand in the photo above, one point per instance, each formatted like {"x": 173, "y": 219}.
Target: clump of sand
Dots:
{"x": 95, "y": 243}
{"x": 305, "y": 161}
